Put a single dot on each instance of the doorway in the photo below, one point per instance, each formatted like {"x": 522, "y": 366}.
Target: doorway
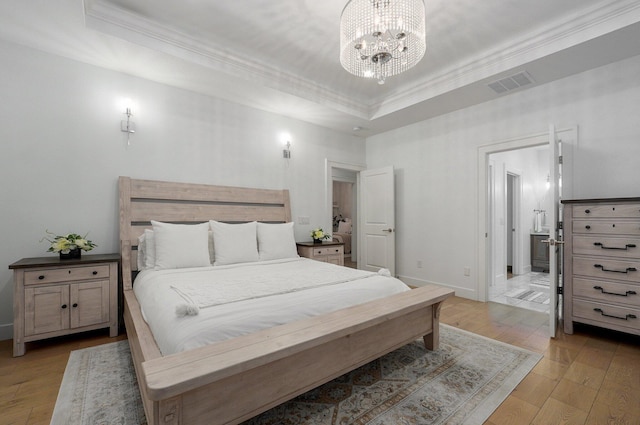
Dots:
{"x": 519, "y": 191}
{"x": 342, "y": 202}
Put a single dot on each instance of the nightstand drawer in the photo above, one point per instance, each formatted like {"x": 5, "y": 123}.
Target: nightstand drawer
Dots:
{"x": 330, "y": 250}
{"x": 66, "y": 274}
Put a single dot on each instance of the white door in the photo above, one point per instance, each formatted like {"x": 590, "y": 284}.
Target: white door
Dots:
{"x": 554, "y": 236}
{"x": 377, "y": 218}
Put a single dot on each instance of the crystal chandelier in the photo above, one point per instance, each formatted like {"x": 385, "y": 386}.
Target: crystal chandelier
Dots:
{"x": 381, "y": 38}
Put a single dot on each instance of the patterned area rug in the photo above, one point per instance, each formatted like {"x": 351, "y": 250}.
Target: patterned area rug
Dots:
{"x": 461, "y": 383}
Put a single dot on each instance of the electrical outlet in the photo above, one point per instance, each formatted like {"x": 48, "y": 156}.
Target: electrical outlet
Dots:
{"x": 467, "y": 271}
{"x": 419, "y": 264}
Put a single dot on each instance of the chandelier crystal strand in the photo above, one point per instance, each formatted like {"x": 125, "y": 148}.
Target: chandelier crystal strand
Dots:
{"x": 381, "y": 38}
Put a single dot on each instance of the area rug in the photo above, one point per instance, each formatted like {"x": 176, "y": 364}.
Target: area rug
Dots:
{"x": 463, "y": 382}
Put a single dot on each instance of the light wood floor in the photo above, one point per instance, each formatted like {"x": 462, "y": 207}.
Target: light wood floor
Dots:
{"x": 591, "y": 377}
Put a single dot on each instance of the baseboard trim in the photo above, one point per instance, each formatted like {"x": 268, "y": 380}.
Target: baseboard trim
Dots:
{"x": 460, "y": 292}
{"x": 6, "y": 331}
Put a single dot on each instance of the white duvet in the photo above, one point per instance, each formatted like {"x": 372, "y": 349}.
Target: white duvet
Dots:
{"x": 224, "y": 302}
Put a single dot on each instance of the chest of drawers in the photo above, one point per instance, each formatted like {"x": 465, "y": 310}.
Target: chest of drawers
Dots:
{"x": 55, "y": 297}
{"x": 602, "y": 263}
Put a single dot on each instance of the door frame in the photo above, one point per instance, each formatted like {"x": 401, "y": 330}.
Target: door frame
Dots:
{"x": 328, "y": 177}
{"x": 516, "y": 217}
{"x": 483, "y": 239}
{"x": 484, "y": 151}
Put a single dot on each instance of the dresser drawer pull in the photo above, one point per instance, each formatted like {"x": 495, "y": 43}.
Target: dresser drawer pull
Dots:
{"x": 626, "y": 294}
{"x": 587, "y": 227}
{"x": 64, "y": 306}
{"x": 629, "y": 245}
{"x": 587, "y": 211}
{"x": 95, "y": 272}
{"x": 627, "y": 317}
{"x": 629, "y": 269}
{"x": 41, "y": 277}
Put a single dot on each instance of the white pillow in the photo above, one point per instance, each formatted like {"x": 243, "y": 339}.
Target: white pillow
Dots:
{"x": 141, "y": 252}
{"x": 181, "y": 245}
{"x": 234, "y": 243}
{"x": 149, "y": 249}
{"x": 276, "y": 241}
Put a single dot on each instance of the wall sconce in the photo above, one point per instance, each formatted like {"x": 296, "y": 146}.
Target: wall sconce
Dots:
{"x": 286, "y": 152}
{"x": 128, "y": 126}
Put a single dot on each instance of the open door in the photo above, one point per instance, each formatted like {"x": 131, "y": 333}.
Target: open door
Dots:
{"x": 554, "y": 240}
{"x": 377, "y": 218}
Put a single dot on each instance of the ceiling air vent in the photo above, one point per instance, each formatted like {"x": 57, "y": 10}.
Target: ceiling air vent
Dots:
{"x": 511, "y": 83}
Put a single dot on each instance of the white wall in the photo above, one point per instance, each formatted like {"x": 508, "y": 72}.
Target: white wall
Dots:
{"x": 61, "y": 152}
{"x": 436, "y": 163}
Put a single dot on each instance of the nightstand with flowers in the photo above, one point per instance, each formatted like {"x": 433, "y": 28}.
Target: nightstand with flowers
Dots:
{"x": 321, "y": 250}
{"x": 70, "y": 293}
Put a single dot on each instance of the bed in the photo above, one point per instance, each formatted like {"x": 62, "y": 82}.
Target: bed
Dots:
{"x": 231, "y": 380}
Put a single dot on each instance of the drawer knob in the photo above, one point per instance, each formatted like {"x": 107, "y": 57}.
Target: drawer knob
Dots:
{"x": 601, "y": 245}
{"x": 626, "y": 294}
{"x": 627, "y": 317}
{"x": 587, "y": 211}
{"x": 64, "y": 306}
{"x": 587, "y": 227}
{"x": 629, "y": 269}
{"x": 94, "y": 272}
{"x": 74, "y": 305}
{"x": 41, "y": 277}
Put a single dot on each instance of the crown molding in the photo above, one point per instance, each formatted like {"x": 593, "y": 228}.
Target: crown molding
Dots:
{"x": 553, "y": 37}
{"x": 113, "y": 20}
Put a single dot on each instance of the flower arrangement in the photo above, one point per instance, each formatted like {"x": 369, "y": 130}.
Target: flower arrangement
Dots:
{"x": 318, "y": 235}
{"x": 69, "y": 244}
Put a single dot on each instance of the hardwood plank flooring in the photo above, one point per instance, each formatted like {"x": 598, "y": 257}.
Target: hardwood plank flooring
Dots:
{"x": 590, "y": 377}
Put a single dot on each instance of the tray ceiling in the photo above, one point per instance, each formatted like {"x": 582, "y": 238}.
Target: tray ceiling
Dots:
{"x": 283, "y": 56}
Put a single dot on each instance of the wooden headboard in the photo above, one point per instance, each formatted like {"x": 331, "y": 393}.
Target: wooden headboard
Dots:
{"x": 144, "y": 200}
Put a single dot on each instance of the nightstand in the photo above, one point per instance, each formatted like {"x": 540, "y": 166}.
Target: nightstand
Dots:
{"x": 54, "y": 297}
{"x": 328, "y": 252}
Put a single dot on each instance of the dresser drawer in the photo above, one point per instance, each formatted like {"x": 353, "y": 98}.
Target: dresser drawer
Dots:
{"x": 604, "y": 268}
{"x": 609, "y": 227}
{"x": 66, "y": 274}
{"x": 330, "y": 250}
{"x": 607, "y": 314}
{"x": 607, "y": 210}
{"x": 609, "y": 292}
{"x": 607, "y": 246}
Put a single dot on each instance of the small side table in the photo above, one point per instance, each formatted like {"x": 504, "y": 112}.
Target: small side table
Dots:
{"x": 328, "y": 252}
{"x": 54, "y": 297}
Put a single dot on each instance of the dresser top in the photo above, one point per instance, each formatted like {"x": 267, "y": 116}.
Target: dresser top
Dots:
{"x": 599, "y": 200}
{"x": 26, "y": 263}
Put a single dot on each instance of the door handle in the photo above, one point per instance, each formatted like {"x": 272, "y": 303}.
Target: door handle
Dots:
{"x": 389, "y": 230}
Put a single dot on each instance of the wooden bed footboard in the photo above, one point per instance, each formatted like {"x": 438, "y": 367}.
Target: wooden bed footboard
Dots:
{"x": 232, "y": 381}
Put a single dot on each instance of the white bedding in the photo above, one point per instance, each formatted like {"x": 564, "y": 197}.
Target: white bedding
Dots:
{"x": 239, "y": 299}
